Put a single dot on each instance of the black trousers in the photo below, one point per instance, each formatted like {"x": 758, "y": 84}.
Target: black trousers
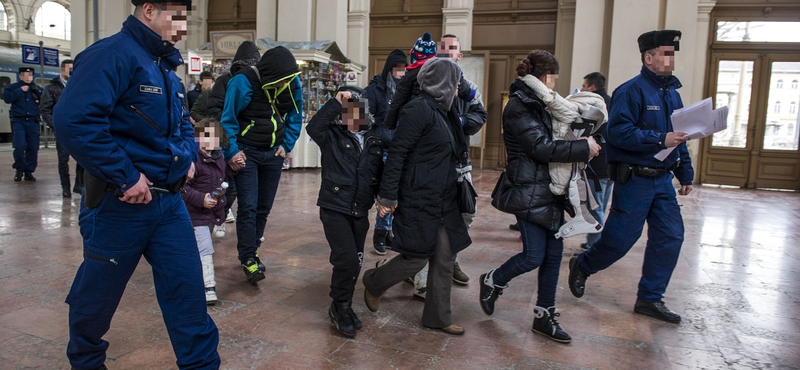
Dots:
{"x": 346, "y": 235}
{"x": 63, "y": 169}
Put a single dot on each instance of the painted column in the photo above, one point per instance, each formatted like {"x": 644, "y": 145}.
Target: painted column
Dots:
{"x": 358, "y": 37}
{"x": 457, "y": 20}
{"x": 267, "y": 19}
{"x": 295, "y": 20}
{"x": 587, "y": 45}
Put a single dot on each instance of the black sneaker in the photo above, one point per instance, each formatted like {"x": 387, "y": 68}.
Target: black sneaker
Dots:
{"x": 489, "y": 293}
{"x": 18, "y": 176}
{"x": 389, "y": 239}
{"x": 252, "y": 271}
{"x": 577, "y": 278}
{"x": 657, "y": 310}
{"x": 379, "y": 241}
{"x": 261, "y": 266}
{"x": 514, "y": 227}
{"x": 341, "y": 319}
{"x": 544, "y": 323}
{"x": 356, "y": 322}
{"x": 28, "y": 177}
{"x": 100, "y": 368}
{"x": 65, "y": 193}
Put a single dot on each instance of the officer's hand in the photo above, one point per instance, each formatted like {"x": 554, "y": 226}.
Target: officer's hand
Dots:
{"x": 594, "y": 147}
{"x": 209, "y": 201}
{"x": 190, "y": 173}
{"x": 24, "y": 88}
{"x": 139, "y": 193}
{"x": 675, "y": 138}
{"x": 685, "y": 190}
{"x": 238, "y": 161}
{"x": 280, "y": 152}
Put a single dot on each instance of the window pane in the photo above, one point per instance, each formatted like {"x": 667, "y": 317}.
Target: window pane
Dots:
{"x": 734, "y": 81}
{"x": 53, "y": 20}
{"x": 758, "y": 31}
{"x": 782, "y": 127}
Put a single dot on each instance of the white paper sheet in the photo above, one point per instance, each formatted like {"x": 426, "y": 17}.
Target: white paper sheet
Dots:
{"x": 698, "y": 121}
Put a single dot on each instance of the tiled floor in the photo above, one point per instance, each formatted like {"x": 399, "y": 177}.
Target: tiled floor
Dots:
{"x": 735, "y": 285}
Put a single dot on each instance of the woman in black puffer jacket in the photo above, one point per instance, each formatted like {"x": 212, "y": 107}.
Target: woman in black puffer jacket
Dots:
{"x": 524, "y": 191}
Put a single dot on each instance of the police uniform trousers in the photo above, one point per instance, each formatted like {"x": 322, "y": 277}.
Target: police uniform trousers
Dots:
{"x": 641, "y": 199}
{"x": 115, "y": 237}
{"x": 25, "y": 140}
{"x": 346, "y": 235}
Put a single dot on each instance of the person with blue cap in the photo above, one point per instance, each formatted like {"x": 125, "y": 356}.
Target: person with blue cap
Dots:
{"x": 122, "y": 118}
{"x": 639, "y": 127}
{"x": 24, "y": 96}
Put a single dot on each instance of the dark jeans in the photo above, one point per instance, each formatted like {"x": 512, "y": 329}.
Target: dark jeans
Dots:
{"x": 540, "y": 249}
{"x": 256, "y": 185}
{"x": 25, "y": 139}
{"x": 230, "y": 196}
{"x": 346, "y": 235}
{"x": 115, "y": 237}
{"x": 634, "y": 202}
{"x": 437, "y": 312}
{"x": 63, "y": 169}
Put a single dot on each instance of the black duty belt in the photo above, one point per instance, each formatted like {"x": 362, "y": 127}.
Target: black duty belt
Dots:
{"x": 648, "y": 171}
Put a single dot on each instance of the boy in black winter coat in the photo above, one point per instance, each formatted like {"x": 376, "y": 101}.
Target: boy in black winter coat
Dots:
{"x": 352, "y": 163}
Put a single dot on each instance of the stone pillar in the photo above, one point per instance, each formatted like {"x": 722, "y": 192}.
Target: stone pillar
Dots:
{"x": 587, "y": 45}
{"x": 81, "y": 18}
{"x": 631, "y": 19}
{"x": 565, "y": 32}
{"x": 457, "y": 20}
{"x": 358, "y": 37}
{"x": 198, "y": 25}
{"x": 267, "y": 19}
{"x": 295, "y": 20}
{"x": 331, "y": 22}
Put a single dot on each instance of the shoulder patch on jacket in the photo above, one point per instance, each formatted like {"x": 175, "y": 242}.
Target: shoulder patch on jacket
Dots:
{"x": 653, "y": 107}
{"x": 150, "y": 89}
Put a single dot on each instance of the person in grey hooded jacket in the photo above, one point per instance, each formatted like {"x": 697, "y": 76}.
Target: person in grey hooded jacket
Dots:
{"x": 419, "y": 186}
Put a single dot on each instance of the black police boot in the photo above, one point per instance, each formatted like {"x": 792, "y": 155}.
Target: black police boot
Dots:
{"x": 28, "y": 176}
{"x": 100, "y": 368}
{"x": 356, "y": 322}
{"x": 657, "y": 310}
{"x": 341, "y": 319}
{"x": 379, "y": 241}
{"x": 514, "y": 227}
{"x": 489, "y": 292}
{"x": 65, "y": 193}
{"x": 544, "y": 323}
{"x": 18, "y": 176}
{"x": 577, "y": 278}
{"x": 251, "y": 271}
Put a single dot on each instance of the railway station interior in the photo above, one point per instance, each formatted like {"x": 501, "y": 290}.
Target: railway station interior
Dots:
{"x": 735, "y": 284}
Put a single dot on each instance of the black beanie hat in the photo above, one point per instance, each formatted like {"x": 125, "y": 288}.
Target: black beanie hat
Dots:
{"x": 654, "y": 39}
{"x": 187, "y": 3}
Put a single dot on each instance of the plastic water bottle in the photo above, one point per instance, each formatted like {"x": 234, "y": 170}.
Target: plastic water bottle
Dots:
{"x": 220, "y": 191}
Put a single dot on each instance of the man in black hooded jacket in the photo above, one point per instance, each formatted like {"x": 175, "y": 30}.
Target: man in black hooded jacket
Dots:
{"x": 261, "y": 130}
{"x": 379, "y": 93}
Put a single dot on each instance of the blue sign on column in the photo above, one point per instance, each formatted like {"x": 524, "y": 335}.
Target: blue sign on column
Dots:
{"x": 30, "y": 55}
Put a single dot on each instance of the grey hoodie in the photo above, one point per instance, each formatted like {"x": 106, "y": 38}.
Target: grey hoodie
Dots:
{"x": 439, "y": 78}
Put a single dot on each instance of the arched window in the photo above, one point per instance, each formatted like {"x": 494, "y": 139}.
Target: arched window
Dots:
{"x": 780, "y": 84}
{"x": 777, "y": 107}
{"x": 53, "y": 20}
{"x": 793, "y": 107}
{"x": 794, "y": 84}
{"x": 3, "y": 18}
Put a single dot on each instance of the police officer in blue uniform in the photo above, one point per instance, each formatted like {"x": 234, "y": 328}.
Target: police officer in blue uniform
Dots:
{"x": 638, "y": 128}
{"x": 24, "y": 96}
{"x": 122, "y": 118}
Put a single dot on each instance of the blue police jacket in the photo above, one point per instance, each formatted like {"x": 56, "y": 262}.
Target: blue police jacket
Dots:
{"x": 122, "y": 110}
{"x": 24, "y": 104}
{"x": 639, "y": 121}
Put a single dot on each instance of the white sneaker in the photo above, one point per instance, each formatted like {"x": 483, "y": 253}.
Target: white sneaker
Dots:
{"x": 262, "y": 239}
{"x": 230, "y": 218}
{"x": 219, "y": 231}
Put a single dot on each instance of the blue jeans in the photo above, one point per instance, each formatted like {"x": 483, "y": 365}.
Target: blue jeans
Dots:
{"x": 26, "y": 144}
{"x": 115, "y": 237}
{"x": 256, "y": 185}
{"x": 636, "y": 201}
{"x": 540, "y": 249}
{"x": 602, "y": 196}
{"x": 386, "y": 221}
